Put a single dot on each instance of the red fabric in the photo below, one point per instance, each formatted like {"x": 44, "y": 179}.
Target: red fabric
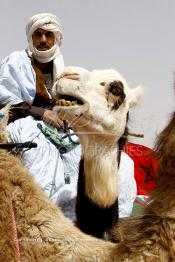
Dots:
{"x": 145, "y": 167}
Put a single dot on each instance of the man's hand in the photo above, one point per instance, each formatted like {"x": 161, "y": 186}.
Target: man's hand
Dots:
{"x": 52, "y": 118}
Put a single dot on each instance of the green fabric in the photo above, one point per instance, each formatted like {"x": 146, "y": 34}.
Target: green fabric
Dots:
{"x": 138, "y": 206}
{"x": 54, "y": 137}
{"x": 66, "y": 178}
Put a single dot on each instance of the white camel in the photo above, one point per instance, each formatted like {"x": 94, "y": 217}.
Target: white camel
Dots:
{"x": 97, "y": 105}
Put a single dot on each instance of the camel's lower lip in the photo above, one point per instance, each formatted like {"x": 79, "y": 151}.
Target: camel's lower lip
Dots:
{"x": 77, "y": 109}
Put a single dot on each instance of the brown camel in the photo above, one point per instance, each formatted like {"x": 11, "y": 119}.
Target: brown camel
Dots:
{"x": 32, "y": 228}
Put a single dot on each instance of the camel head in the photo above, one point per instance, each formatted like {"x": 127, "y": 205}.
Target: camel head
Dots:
{"x": 97, "y": 103}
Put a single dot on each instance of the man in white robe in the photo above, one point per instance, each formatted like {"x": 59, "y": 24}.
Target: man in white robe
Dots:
{"x": 26, "y": 80}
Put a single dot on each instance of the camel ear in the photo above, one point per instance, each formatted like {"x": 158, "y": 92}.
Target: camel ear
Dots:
{"x": 135, "y": 96}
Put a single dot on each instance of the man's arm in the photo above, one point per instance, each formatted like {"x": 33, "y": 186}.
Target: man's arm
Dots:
{"x": 24, "y": 109}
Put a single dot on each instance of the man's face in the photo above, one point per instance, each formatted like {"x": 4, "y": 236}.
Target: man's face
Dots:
{"x": 43, "y": 40}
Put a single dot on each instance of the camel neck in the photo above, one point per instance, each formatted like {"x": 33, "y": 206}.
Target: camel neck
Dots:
{"x": 101, "y": 176}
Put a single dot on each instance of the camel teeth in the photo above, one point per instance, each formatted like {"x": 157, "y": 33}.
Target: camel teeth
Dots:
{"x": 63, "y": 102}
{"x": 68, "y": 103}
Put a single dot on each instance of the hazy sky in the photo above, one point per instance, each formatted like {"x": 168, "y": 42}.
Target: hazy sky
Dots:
{"x": 136, "y": 37}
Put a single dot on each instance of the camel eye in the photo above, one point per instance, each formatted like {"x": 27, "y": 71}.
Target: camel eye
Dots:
{"x": 116, "y": 88}
{"x": 102, "y": 83}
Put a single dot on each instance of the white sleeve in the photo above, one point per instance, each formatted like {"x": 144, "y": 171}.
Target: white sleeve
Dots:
{"x": 9, "y": 86}
{"x": 127, "y": 185}
{"x": 17, "y": 79}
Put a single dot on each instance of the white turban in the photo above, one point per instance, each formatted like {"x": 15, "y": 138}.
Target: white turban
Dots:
{"x": 50, "y": 23}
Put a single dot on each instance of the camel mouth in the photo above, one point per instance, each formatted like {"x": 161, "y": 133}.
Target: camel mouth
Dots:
{"x": 67, "y": 100}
